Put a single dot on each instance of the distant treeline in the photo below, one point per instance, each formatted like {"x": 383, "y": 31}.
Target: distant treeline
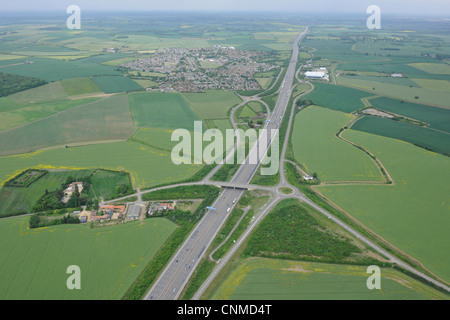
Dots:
{"x": 12, "y": 83}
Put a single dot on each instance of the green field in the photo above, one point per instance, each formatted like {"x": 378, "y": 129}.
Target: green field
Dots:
{"x": 49, "y": 92}
{"x": 213, "y": 104}
{"x": 383, "y": 79}
{"x": 160, "y": 139}
{"x": 412, "y": 214}
{"x": 268, "y": 279}
{"x": 19, "y": 114}
{"x": 434, "y": 97}
{"x": 245, "y": 113}
{"x": 105, "y": 119}
{"x": 221, "y": 124}
{"x": 434, "y": 68}
{"x": 436, "y": 117}
{"x": 148, "y": 166}
{"x": 162, "y": 110}
{"x": 104, "y": 183}
{"x": 79, "y": 86}
{"x": 335, "y": 50}
{"x": 427, "y": 138}
{"x": 387, "y": 65}
{"x": 398, "y": 48}
{"x": 146, "y": 83}
{"x": 337, "y": 97}
{"x": 317, "y": 148}
{"x": 111, "y": 84}
{"x": 249, "y": 110}
{"x": 441, "y": 85}
{"x": 18, "y": 199}
{"x": 155, "y": 137}
{"x": 147, "y": 42}
{"x": 89, "y": 43}
{"x": 257, "y": 106}
{"x": 53, "y": 69}
{"x": 264, "y": 82}
{"x": 9, "y": 57}
{"x": 110, "y": 258}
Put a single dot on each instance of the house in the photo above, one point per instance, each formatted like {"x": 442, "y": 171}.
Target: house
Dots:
{"x": 161, "y": 206}
{"x": 107, "y": 208}
{"x": 71, "y": 189}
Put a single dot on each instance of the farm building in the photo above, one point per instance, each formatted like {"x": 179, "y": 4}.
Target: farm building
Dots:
{"x": 99, "y": 218}
{"x": 107, "y": 208}
{"x": 133, "y": 212}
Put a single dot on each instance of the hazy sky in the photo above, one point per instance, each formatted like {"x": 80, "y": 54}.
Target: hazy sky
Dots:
{"x": 407, "y": 7}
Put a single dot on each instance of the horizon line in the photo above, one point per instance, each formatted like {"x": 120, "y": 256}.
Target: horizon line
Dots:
{"x": 240, "y": 11}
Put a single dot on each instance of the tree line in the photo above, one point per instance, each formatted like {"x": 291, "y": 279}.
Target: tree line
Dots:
{"x": 12, "y": 83}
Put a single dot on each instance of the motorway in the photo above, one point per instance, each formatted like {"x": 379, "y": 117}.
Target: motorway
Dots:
{"x": 172, "y": 280}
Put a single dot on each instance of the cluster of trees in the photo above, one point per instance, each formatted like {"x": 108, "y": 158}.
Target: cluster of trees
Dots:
{"x": 41, "y": 220}
{"x": 122, "y": 189}
{"x": 251, "y": 123}
{"x": 53, "y": 200}
{"x": 290, "y": 232}
{"x": 12, "y": 83}
{"x": 303, "y": 103}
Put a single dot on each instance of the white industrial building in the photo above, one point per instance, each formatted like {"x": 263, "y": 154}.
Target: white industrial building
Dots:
{"x": 315, "y": 74}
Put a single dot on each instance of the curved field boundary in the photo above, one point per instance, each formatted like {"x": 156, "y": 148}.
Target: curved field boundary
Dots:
{"x": 381, "y": 167}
